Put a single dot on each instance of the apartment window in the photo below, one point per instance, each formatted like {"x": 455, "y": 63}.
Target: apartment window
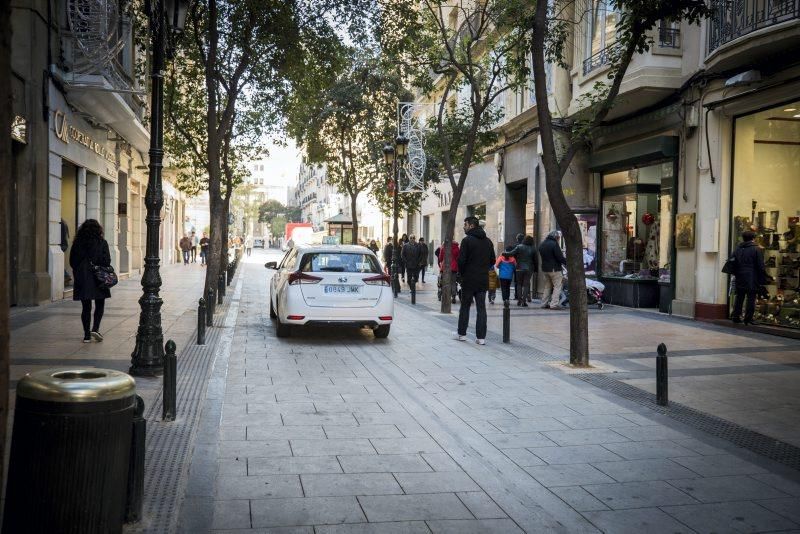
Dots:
{"x": 601, "y": 32}
{"x": 548, "y": 69}
{"x": 669, "y": 34}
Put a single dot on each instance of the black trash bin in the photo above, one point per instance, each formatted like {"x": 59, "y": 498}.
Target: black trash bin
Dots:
{"x": 70, "y": 451}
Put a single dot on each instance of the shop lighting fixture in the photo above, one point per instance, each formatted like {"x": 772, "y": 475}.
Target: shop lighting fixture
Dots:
{"x": 796, "y": 116}
{"x": 790, "y": 109}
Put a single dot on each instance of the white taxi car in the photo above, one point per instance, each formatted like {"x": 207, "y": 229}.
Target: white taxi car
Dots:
{"x": 331, "y": 285}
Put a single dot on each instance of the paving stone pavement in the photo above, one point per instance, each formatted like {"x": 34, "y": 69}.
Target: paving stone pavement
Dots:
{"x": 336, "y": 431}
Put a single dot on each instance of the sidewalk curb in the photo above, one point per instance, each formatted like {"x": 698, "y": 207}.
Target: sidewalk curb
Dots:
{"x": 170, "y": 444}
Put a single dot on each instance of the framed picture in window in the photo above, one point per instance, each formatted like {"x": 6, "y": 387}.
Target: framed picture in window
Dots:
{"x": 684, "y": 231}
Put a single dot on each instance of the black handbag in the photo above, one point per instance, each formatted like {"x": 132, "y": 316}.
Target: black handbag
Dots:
{"x": 104, "y": 277}
{"x": 730, "y": 265}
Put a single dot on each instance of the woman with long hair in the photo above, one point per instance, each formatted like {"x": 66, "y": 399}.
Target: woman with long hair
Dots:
{"x": 88, "y": 250}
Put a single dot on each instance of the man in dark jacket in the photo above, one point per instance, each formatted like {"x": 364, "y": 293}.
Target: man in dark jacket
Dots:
{"x": 475, "y": 259}
{"x": 552, "y": 262}
{"x": 525, "y": 254}
{"x": 423, "y": 257}
{"x": 750, "y": 273}
{"x": 410, "y": 254}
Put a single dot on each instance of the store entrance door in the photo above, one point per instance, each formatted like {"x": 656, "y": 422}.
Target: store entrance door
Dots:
{"x": 516, "y": 200}
{"x": 122, "y": 236}
{"x": 69, "y": 212}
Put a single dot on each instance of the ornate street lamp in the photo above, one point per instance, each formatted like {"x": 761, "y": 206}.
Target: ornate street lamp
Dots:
{"x": 388, "y": 159}
{"x": 148, "y": 355}
{"x": 394, "y": 158}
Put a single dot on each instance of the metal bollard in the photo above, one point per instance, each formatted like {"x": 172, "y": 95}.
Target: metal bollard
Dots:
{"x": 210, "y": 307}
{"x": 220, "y": 289}
{"x": 506, "y": 322}
{"x": 662, "y": 376}
{"x": 135, "y": 498}
{"x": 170, "y": 394}
{"x": 201, "y": 321}
{"x": 231, "y": 271}
{"x": 223, "y": 283}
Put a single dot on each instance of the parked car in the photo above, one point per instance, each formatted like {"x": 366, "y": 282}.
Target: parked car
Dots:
{"x": 258, "y": 242}
{"x": 330, "y": 285}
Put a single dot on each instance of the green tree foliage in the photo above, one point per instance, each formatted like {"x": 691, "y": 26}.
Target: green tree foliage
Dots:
{"x": 354, "y": 116}
{"x": 230, "y": 86}
{"x": 464, "y": 56}
{"x": 269, "y": 210}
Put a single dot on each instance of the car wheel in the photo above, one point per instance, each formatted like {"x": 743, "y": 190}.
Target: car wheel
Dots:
{"x": 382, "y": 331}
{"x": 272, "y": 314}
{"x": 282, "y": 329}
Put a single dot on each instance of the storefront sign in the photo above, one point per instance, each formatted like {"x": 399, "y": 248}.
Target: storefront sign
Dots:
{"x": 19, "y": 129}
{"x": 67, "y": 133}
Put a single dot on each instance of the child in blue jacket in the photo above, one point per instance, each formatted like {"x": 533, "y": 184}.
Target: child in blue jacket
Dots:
{"x": 506, "y": 265}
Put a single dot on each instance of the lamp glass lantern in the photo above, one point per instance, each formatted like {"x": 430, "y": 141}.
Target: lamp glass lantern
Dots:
{"x": 401, "y": 147}
{"x": 176, "y": 14}
{"x": 388, "y": 155}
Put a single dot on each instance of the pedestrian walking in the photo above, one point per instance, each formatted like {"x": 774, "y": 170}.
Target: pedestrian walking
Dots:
{"x": 455, "y": 250}
{"x": 423, "y": 258}
{"x": 403, "y": 241}
{"x": 205, "y": 243}
{"x": 186, "y": 245}
{"x": 475, "y": 257}
{"x": 195, "y": 241}
{"x": 373, "y": 246}
{"x": 525, "y": 254}
{"x": 410, "y": 254}
{"x": 751, "y": 273}
{"x": 64, "y": 247}
{"x": 248, "y": 245}
{"x": 89, "y": 250}
{"x": 552, "y": 262}
{"x": 506, "y": 265}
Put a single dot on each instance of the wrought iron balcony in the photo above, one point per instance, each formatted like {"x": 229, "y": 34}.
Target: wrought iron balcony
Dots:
{"x": 669, "y": 37}
{"x": 736, "y": 18}
{"x": 603, "y": 57}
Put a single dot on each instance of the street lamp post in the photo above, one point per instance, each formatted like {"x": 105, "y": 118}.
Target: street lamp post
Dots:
{"x": 394, "y": 157}
{"x": 148, "y": 355}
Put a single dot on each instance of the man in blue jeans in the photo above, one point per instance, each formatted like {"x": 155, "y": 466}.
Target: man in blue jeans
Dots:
{"x": 474, "y": 260}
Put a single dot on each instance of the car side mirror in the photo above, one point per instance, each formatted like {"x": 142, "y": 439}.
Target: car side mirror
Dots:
{"x": 271, "y": 265}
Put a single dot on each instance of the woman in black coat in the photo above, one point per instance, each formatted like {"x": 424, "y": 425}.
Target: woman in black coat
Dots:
{"x": 89, "y": 248}
{"x": 750, "y": 273}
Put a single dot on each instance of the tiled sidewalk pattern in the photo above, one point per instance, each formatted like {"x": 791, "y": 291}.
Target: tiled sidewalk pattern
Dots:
{"x": 334, "y": 431}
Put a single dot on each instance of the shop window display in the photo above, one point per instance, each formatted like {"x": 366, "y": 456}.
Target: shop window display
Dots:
{"x": 766, "y": 200}
{"x": 637, "y": 223}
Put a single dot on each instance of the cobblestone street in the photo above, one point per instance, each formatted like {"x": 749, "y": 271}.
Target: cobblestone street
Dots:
{"x": 336, "y": 431}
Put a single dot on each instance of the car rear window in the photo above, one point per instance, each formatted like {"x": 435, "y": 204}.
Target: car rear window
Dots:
{"x": 339, "y": 262}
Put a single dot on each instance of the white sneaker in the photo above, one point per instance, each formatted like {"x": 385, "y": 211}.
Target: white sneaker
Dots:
{"x": 460, "y": 337}
{"x": 480, "y": 341}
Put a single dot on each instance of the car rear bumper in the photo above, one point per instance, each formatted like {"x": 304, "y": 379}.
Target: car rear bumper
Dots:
{"x": 354, "y": 324}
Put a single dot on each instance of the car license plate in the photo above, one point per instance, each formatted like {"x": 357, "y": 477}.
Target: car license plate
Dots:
{"x": 348, "y": 290}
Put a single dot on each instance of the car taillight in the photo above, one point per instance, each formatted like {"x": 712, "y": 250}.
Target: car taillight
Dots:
{"x": 298, "y": 277}
{"x": 385, "y": 318}
{"x": 379, "y": 280}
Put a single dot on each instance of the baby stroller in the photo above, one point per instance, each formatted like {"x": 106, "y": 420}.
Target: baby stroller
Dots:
{"x": 594, "y": 293}
{"x": 456, "y": 286}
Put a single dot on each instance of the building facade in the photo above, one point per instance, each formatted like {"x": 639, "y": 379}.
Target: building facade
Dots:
{"x": 702, "y": 143}
{"x": 80, "y": 149}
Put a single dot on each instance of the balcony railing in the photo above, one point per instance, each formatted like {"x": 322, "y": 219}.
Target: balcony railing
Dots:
{"x": 736, "y": 18}
{"x": 669, "y": 37}
{"x": 603, "y": 57}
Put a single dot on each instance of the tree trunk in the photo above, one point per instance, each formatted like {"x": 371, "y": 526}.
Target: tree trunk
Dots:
{"x": 354, "y": 217}
{"x": 5, "y": 179}
{"x": 226, "y": 211}
{"x": 446, "y": 274}
{"x": 578, "y": 315}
